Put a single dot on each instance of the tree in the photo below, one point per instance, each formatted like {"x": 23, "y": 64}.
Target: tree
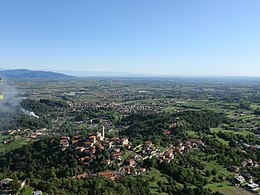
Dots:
{"x": 214, "y": 171}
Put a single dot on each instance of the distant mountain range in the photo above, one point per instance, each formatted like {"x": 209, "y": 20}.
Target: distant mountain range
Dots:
{"x": 30, "y": 74}
{"x": 104, "y": 74}
{"x": 59, "y": 74}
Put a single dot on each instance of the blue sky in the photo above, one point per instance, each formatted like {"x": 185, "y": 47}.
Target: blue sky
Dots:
{"x": 168, "y": 37}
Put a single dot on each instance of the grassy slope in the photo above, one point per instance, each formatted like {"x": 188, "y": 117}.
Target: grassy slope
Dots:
{"x": 14, "y": 145}
{"x": 158, "y": 176}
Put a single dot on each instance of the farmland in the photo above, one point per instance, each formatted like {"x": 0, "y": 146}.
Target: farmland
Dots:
{"x": 208, "y": 128}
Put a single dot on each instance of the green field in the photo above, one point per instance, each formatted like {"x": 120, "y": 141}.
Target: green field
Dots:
{"x": 192, "y": 134}
{"x": 210, "y": 165}
{"x": 13, "y": 145}
{"x": 158, "y": 176}
{"x": 236, "y": 191}
{"x": 169, "y": 108}
{"x": 221, "y": 170}
{"x": 26, "y": 190}
{"x": 2, "y": 137}
{"x": 243, "y": 132}
{"x": 220, "y": 186}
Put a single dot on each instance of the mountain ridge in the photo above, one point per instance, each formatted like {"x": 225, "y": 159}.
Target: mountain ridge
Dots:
{"x": 32, "y": 74}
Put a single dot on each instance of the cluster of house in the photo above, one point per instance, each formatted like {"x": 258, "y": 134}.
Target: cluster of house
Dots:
{"x": 179, "y": 148}
{"x": 86, "y": 147}
{"x": 249, "y": 146}
{"x": 27, "y": 133}
{"x": 120, "y": 107}
{"x": 249, "y": 163}
{"x": 130, "y": 163}
{"x": 246, "y": 180}
{"x": 243, "y": 178}
{"x": 6, "y": 186}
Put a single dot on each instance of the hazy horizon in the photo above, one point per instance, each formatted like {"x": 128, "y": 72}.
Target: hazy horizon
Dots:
{"x": 169, "y": 38}
{"x": 128, "y": 74}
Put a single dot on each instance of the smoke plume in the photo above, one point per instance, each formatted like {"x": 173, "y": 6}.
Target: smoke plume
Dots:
{"x": 9, "y": 104}
{"x": 29, "y": 113}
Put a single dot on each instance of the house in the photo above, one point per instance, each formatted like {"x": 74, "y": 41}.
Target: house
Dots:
{"x": 127, "y": 146}
{"x": 142, "y": 170}
{"x": 65, "y": 137}
{"x": 255, "y": 164}
{"x": 99, "y": 146}
{"x": 92, "y": 139}
{"x": 148, "y": 144}
{"x": 253, "y": 186}
{"x": 125, "y": 170}
{"x": 89, "y": 152}
{"x": 7, "y": 141}
{"x": 169, "y": 153}
{"x": 137, "y": 157}
{"x": 80, "y": 148}
{"x": 124, "y": 141}
{"x": 109, "y": 174}
{"x": 76, "y": 137}
{"x": 233, "y": 168}
{"x": 88, "y": 144}
{"x": 93, "y": 149}
{"x": 82, "y": 158}
{"x": 116, "y": 156}
{"x": 247, "y": 176}
{"x": 74, "y": 141}
{"x": 83, "y": 175}
{"x": 239, "y": 179}
{"x": 64, "y": 143}
{"x": 99, "y": 136}
{"x": 196, "y": 142}
{"x": 106, "y": 162}
{"x": 107, "y": 144}
{"x": 116, "y": 149}
{"x": 244, "y": 163}
{"x": 38, "y": 192}
{"x": 130, "y": 162}
{"x": 166, "y": 132}
{"x": 5, "y": 183}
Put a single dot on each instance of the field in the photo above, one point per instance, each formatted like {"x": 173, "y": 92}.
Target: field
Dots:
{"x": 13, "y": 145}
{"x": 108, "y": 101}
{"x": 236, "y": 191}
{"x": 243, "y": 132}
{"x": 154, "y": 177}
{"x": 225, "y": 185}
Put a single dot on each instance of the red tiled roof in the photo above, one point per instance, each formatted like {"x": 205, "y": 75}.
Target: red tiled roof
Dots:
{"x": 107, "y": 174}
{"x": 166, "y": 132}
{"x": 82, "y": 176}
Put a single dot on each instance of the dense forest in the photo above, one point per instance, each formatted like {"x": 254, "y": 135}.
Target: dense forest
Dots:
{"x": 149, "y": 126}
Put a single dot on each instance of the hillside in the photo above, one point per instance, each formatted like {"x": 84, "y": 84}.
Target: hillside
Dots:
{"x": 29, "y": 74}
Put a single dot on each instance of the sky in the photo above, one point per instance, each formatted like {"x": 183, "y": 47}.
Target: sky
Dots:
{"x": 161, "y": 37}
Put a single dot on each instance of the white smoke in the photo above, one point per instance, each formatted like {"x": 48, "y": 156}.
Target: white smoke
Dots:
{"x": 29, "y": 113}
{"x": 9, "y": 105}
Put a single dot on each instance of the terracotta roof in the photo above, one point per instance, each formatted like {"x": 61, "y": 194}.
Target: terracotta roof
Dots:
{"x": 109, "y": 174}
{"x": 166, "y": 132}
{"x": 65, "y": 137}
{"x": 82, "y": 176}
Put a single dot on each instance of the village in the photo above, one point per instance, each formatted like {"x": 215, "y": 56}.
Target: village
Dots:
{"x": 120, "y": 152}
{"x": 120, "y": 157}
